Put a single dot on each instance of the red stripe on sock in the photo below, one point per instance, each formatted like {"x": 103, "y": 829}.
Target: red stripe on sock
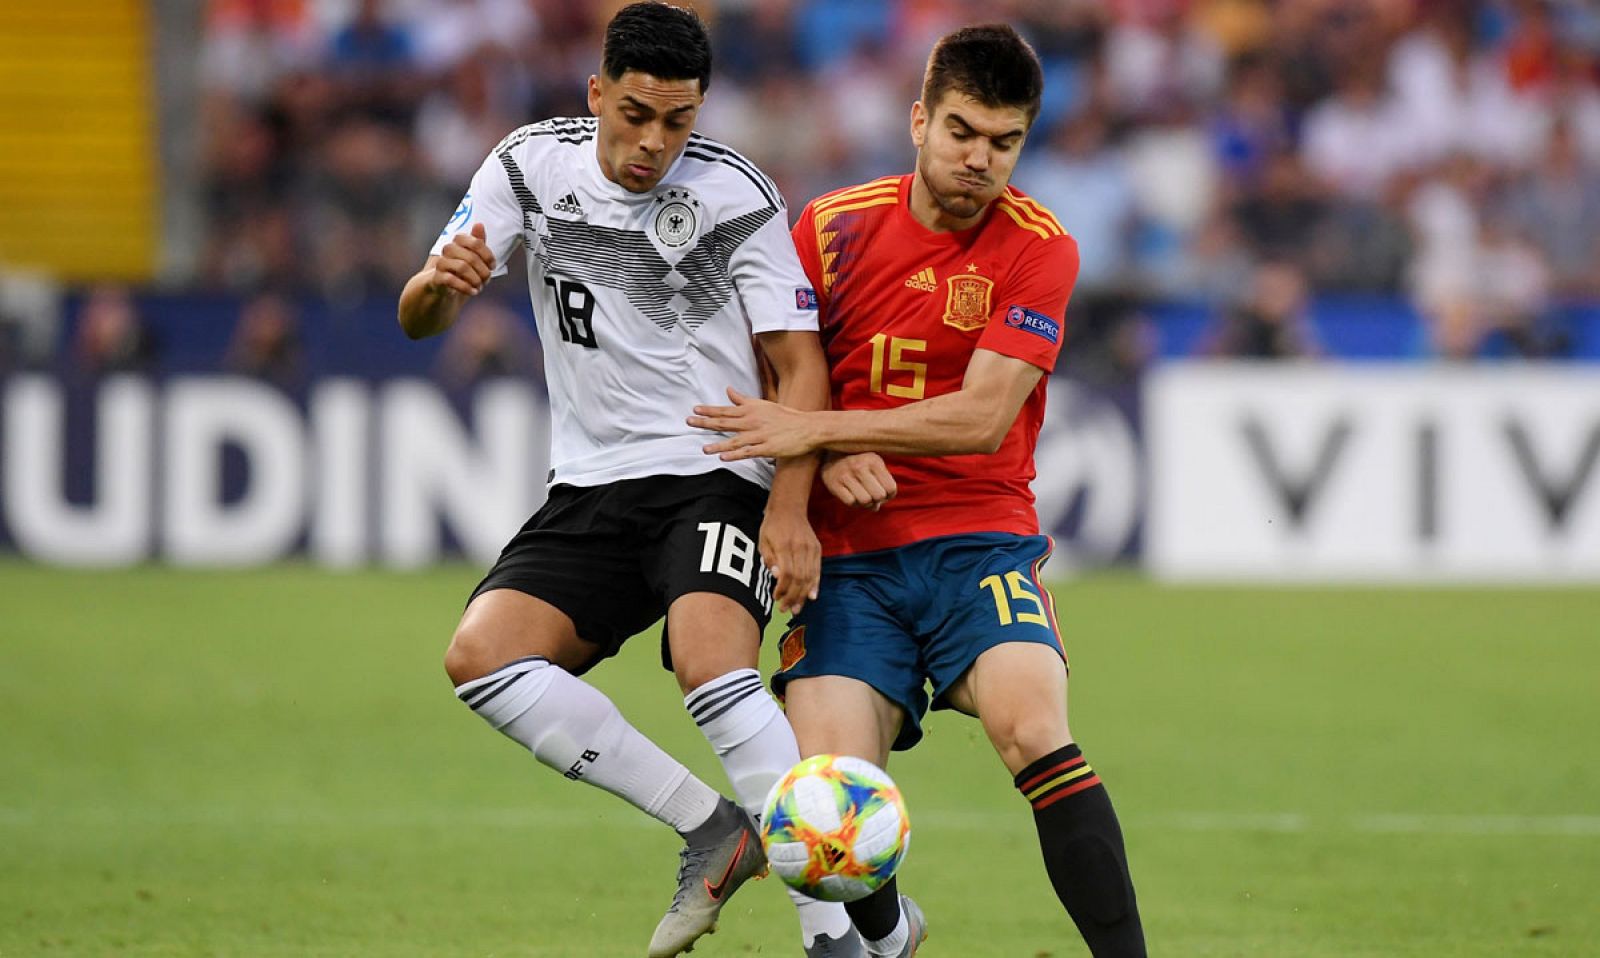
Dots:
{"x": 1072, "y": 789}
{"x": 1033, "y": 782}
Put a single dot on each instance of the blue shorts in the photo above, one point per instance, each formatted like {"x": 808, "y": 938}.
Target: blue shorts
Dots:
{"x": 903, "y": 618}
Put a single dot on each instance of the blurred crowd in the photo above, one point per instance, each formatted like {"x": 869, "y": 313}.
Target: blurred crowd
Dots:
{"x": 1245, "y": 153}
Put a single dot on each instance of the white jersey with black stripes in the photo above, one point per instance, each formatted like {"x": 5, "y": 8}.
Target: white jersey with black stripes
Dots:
{"x": 645, "y": 302}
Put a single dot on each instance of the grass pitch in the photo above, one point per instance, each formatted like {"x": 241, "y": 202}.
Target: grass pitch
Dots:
{"x": 271, "y": 763}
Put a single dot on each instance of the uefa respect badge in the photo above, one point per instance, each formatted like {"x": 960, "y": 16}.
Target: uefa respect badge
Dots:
{"x": 1027, "y": 320}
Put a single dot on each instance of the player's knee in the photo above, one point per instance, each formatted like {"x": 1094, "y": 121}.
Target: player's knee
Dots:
{"x": 695, "y": 673}
{"x": 469, "y": 655}
{"x": 1023, "y": 738}
{"x": 696, "y": 663}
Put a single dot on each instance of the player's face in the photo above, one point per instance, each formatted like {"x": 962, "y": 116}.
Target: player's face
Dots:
{"x": 966, "y": 151}
{"x": 644, "y": 124}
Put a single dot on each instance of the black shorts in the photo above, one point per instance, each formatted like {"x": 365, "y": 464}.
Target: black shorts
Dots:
{"x": 614, "y": 557}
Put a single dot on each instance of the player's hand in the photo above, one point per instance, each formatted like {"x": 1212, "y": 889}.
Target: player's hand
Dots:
{"x": 791, "y": 551}
{"x": 465, "y": 264}
{"x": 861, "y": 479}
{"x": 760, "y": 428}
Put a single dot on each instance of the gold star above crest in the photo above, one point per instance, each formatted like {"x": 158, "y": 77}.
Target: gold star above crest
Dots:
{"x": 972, "y": 267}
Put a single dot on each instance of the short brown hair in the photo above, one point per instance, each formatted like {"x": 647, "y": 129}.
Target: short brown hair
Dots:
{"x": 990, "y": 63}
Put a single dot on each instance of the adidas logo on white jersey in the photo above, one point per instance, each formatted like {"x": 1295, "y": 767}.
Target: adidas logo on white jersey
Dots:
{"x": 924, "y": 280}
{"x": 569, "y": 205}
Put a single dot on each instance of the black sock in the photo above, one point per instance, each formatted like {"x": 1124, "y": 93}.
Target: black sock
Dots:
{"x": 876, "y": 915}
{"x": 1083, "y": 852}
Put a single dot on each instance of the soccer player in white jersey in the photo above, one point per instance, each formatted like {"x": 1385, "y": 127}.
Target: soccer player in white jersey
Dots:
{"x": 653, "y": 256}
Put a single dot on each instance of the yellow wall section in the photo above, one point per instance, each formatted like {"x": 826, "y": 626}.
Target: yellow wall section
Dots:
{"x": 78, "y": 163}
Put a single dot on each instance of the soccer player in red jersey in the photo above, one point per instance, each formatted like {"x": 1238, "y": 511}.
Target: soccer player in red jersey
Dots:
{"x": 941, "y": 296}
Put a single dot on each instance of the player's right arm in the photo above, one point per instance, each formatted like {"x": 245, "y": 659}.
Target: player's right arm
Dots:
{"x": 858, "y": 479}
{"x": 433, "y": 297}
{"x": 1018, "y": 347}
{"x": 470, "y": 249}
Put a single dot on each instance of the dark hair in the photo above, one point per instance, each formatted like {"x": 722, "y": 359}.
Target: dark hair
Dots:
{"x": 662, "y": 40}
{"x": 990, "y": 63}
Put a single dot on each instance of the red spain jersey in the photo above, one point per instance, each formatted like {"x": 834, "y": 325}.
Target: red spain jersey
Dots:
{"x": 902, "y": 308}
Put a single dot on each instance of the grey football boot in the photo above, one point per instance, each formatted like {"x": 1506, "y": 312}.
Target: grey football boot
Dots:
{"x": 918, "y": 925}
{"x": 849, "y": 946}
{"x": 717, "y": 858}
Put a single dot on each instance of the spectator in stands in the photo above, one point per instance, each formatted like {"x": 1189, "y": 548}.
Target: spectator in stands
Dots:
{"x": 1186, "y": 140}
{"x": 1271, "y": 321}
{"x": 266, "y": 342}
{"x": 1283, "y": 217}
{"x": 755, "y": 39}
{"x": 1557, "y": 205}
{"x": 1355, "y": 145}
{"x": 1355, "y": 142}
{"x": 1481, "y": 285}
{"x": 1444, "y": 277}
{"x": 458, "y": 31}
{"x": 364, "y": 223}
{"x": 1083, "y": 179}
{"x": 248, "y": 194}
{"x": 1455, "y": 98}
{"x": 249, "y": 45}
{"x": 111, "y": 335}
{"x": 1250, "y": 126}
{"x": 1157, "y": 63}
{"x": 1239, "y": 27}
{"x": 487, "y": 342}
{"x": 1533, "y": 49}
{"x": 374, "y": 63}
{"x": 1453, "y": 332}
{"x": 1515, "y": 283}
{"x": 460, "y": 122}
{"x": 1110, "y": 339}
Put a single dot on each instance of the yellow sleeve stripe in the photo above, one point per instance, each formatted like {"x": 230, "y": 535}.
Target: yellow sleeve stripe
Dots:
{"x": 1027, "y": 224}
{"x": 875, "y": 188}
{"x": 824, "y": 218}
{"x": 1036, "y": 212}
{"x": 840, "y": 201}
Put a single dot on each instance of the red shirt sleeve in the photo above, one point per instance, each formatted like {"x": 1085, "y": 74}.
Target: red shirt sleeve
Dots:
{"x": 1030, "y": 310}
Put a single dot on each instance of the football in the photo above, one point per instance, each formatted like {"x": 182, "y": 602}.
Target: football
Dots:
{"x": 835, "y": 828}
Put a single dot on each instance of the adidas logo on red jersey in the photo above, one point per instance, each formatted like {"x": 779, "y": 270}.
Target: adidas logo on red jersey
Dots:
{"x": 924, "y": 280}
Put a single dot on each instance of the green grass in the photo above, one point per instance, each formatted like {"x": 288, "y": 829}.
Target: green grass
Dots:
{"x": 271, "y": 764}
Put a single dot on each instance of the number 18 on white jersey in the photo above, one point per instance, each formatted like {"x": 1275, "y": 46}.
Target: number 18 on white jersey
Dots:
{"x": 645, "y": 302}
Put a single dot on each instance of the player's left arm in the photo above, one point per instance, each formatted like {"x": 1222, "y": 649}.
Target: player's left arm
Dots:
{"x": 779, "y": 299}
{"x": 787, "y": 542}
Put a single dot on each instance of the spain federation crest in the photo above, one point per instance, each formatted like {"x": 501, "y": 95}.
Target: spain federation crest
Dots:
{"x": 966, "y": 306}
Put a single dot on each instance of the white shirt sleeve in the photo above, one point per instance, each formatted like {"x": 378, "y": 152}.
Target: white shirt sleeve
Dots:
{"x": 489, "y": 201}
{"x": 771, "y": 284}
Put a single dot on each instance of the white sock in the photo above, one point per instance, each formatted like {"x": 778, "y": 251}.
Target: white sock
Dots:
{"x": 753, "y": 739}
{"x": 890, "y": 946}
{"x": 572, "y": 727}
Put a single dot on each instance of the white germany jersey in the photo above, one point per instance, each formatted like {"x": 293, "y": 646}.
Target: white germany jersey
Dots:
{"x": 645, "y": 302}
